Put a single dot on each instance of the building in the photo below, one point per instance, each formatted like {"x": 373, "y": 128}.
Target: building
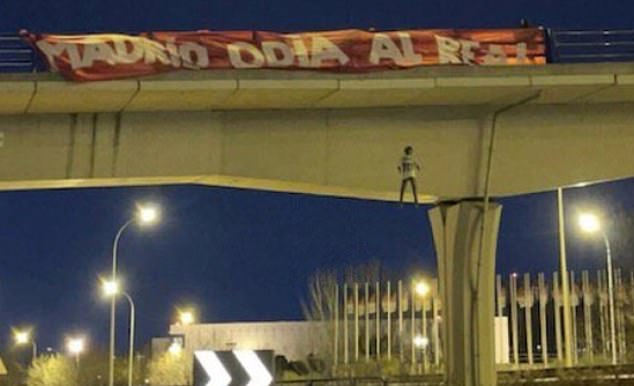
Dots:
{"x": 293, "y": 339}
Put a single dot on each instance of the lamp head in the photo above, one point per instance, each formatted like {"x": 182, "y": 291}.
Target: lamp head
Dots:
{"x": 147, "y": 214}
{"x": 22, "y": 337}
{"x": 186, "y": 317}
{"x": 422, "y": 288}
{"x": 110, "y": 288}
{"x": 75, "y": 345}
{"x": 589, "y": 222}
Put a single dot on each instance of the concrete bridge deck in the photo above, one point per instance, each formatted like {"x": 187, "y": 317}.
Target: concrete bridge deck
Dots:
{"x": 270, "y": 89}
{"x": 321, "y": 133}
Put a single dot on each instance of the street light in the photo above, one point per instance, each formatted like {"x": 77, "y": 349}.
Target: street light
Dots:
{"x": 590, "y": 223}
{"x": 23, "y": 337}
{"x": 145, "y": 215}
{"x": 76, "y": 346}
{"x": 111, "y": 289}
{"x": 420, "y": 341}
{"x": 422, "y": 288}
{"x": 148, "y": 214}
{"x": 186, "y": 317}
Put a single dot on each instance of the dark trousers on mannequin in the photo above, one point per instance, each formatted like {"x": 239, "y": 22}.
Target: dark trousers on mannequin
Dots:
{"x": 412, "y": 182}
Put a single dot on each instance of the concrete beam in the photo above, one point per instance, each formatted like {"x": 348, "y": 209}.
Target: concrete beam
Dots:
{"x": 562, "y": 89}
{"x": 55, "y": 96}
{"x": 376, "y": 92}
{"x": 15, "y": 96}
{"x": 173, "y": 95}
{"x": 262, "y": 90}
{"x": 280, "y": 93}
{"x": 344, "y": 152}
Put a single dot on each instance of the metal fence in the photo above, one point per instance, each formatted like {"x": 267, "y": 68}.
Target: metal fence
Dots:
{"x": 17, "y": 56}
{"x": 563, "y": 46}
{"x": 386, "y": 328}
{"x": 590, "y": 46}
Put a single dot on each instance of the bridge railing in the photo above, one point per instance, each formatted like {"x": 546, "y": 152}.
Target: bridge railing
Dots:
{"x": 563, "y": 46}
{"x": 17, "y": 56}
{"x": 589, "y": 46}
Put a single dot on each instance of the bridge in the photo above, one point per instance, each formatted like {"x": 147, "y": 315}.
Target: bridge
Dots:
{"x": 481, "y": 133}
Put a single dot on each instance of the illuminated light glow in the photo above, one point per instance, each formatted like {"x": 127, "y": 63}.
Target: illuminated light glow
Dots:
{"x": 186, "y": 317}
{"x": 218, "y": 375}
{"x": 589, "y": 222}
{"x": 421, "y": 341}
{"x": 110, "y": 288}
{"x": 147, "y": 214}
{"x": 22, "y": 337}
{"x": 259, "y": 374}
{"x": 422, "y": 288}
{"x": 75, "y": 345}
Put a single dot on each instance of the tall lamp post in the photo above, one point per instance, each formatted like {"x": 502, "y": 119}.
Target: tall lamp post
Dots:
{"x": 111, "y": 289}
{"x": 145, "y": 215}
{"x": 565, "y": 287}
{"x": 24, "y": 337}
{"x": 590, "y": 223}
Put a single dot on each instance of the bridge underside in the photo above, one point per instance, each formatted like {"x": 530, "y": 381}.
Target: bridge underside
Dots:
{"x": 340, "y": 136}
{"x": 347, "y": 152}
{"x": 322, "y": 133}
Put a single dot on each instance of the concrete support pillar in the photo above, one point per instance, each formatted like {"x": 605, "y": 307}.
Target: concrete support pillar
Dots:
{"x": 465, "y": 239}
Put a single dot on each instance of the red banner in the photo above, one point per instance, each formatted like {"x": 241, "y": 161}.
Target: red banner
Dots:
{"x": 112, "y": 56}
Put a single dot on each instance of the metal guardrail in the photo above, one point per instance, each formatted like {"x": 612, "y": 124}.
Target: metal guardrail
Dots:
{"x": 563, "y": 46}
{"x": 16, "y": 55}
{"x": 591, "y": 46}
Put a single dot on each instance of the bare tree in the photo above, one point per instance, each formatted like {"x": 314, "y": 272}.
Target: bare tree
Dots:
{"x": 324, "y": 297}
{"x": 321, "y": 301}
{"x": 322, "y": 286}
{"x": 369, "y": 271}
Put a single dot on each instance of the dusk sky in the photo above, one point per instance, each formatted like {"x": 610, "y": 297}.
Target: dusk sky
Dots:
{"x": 246, "y": 255}
{"x": 295, "y": 15}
